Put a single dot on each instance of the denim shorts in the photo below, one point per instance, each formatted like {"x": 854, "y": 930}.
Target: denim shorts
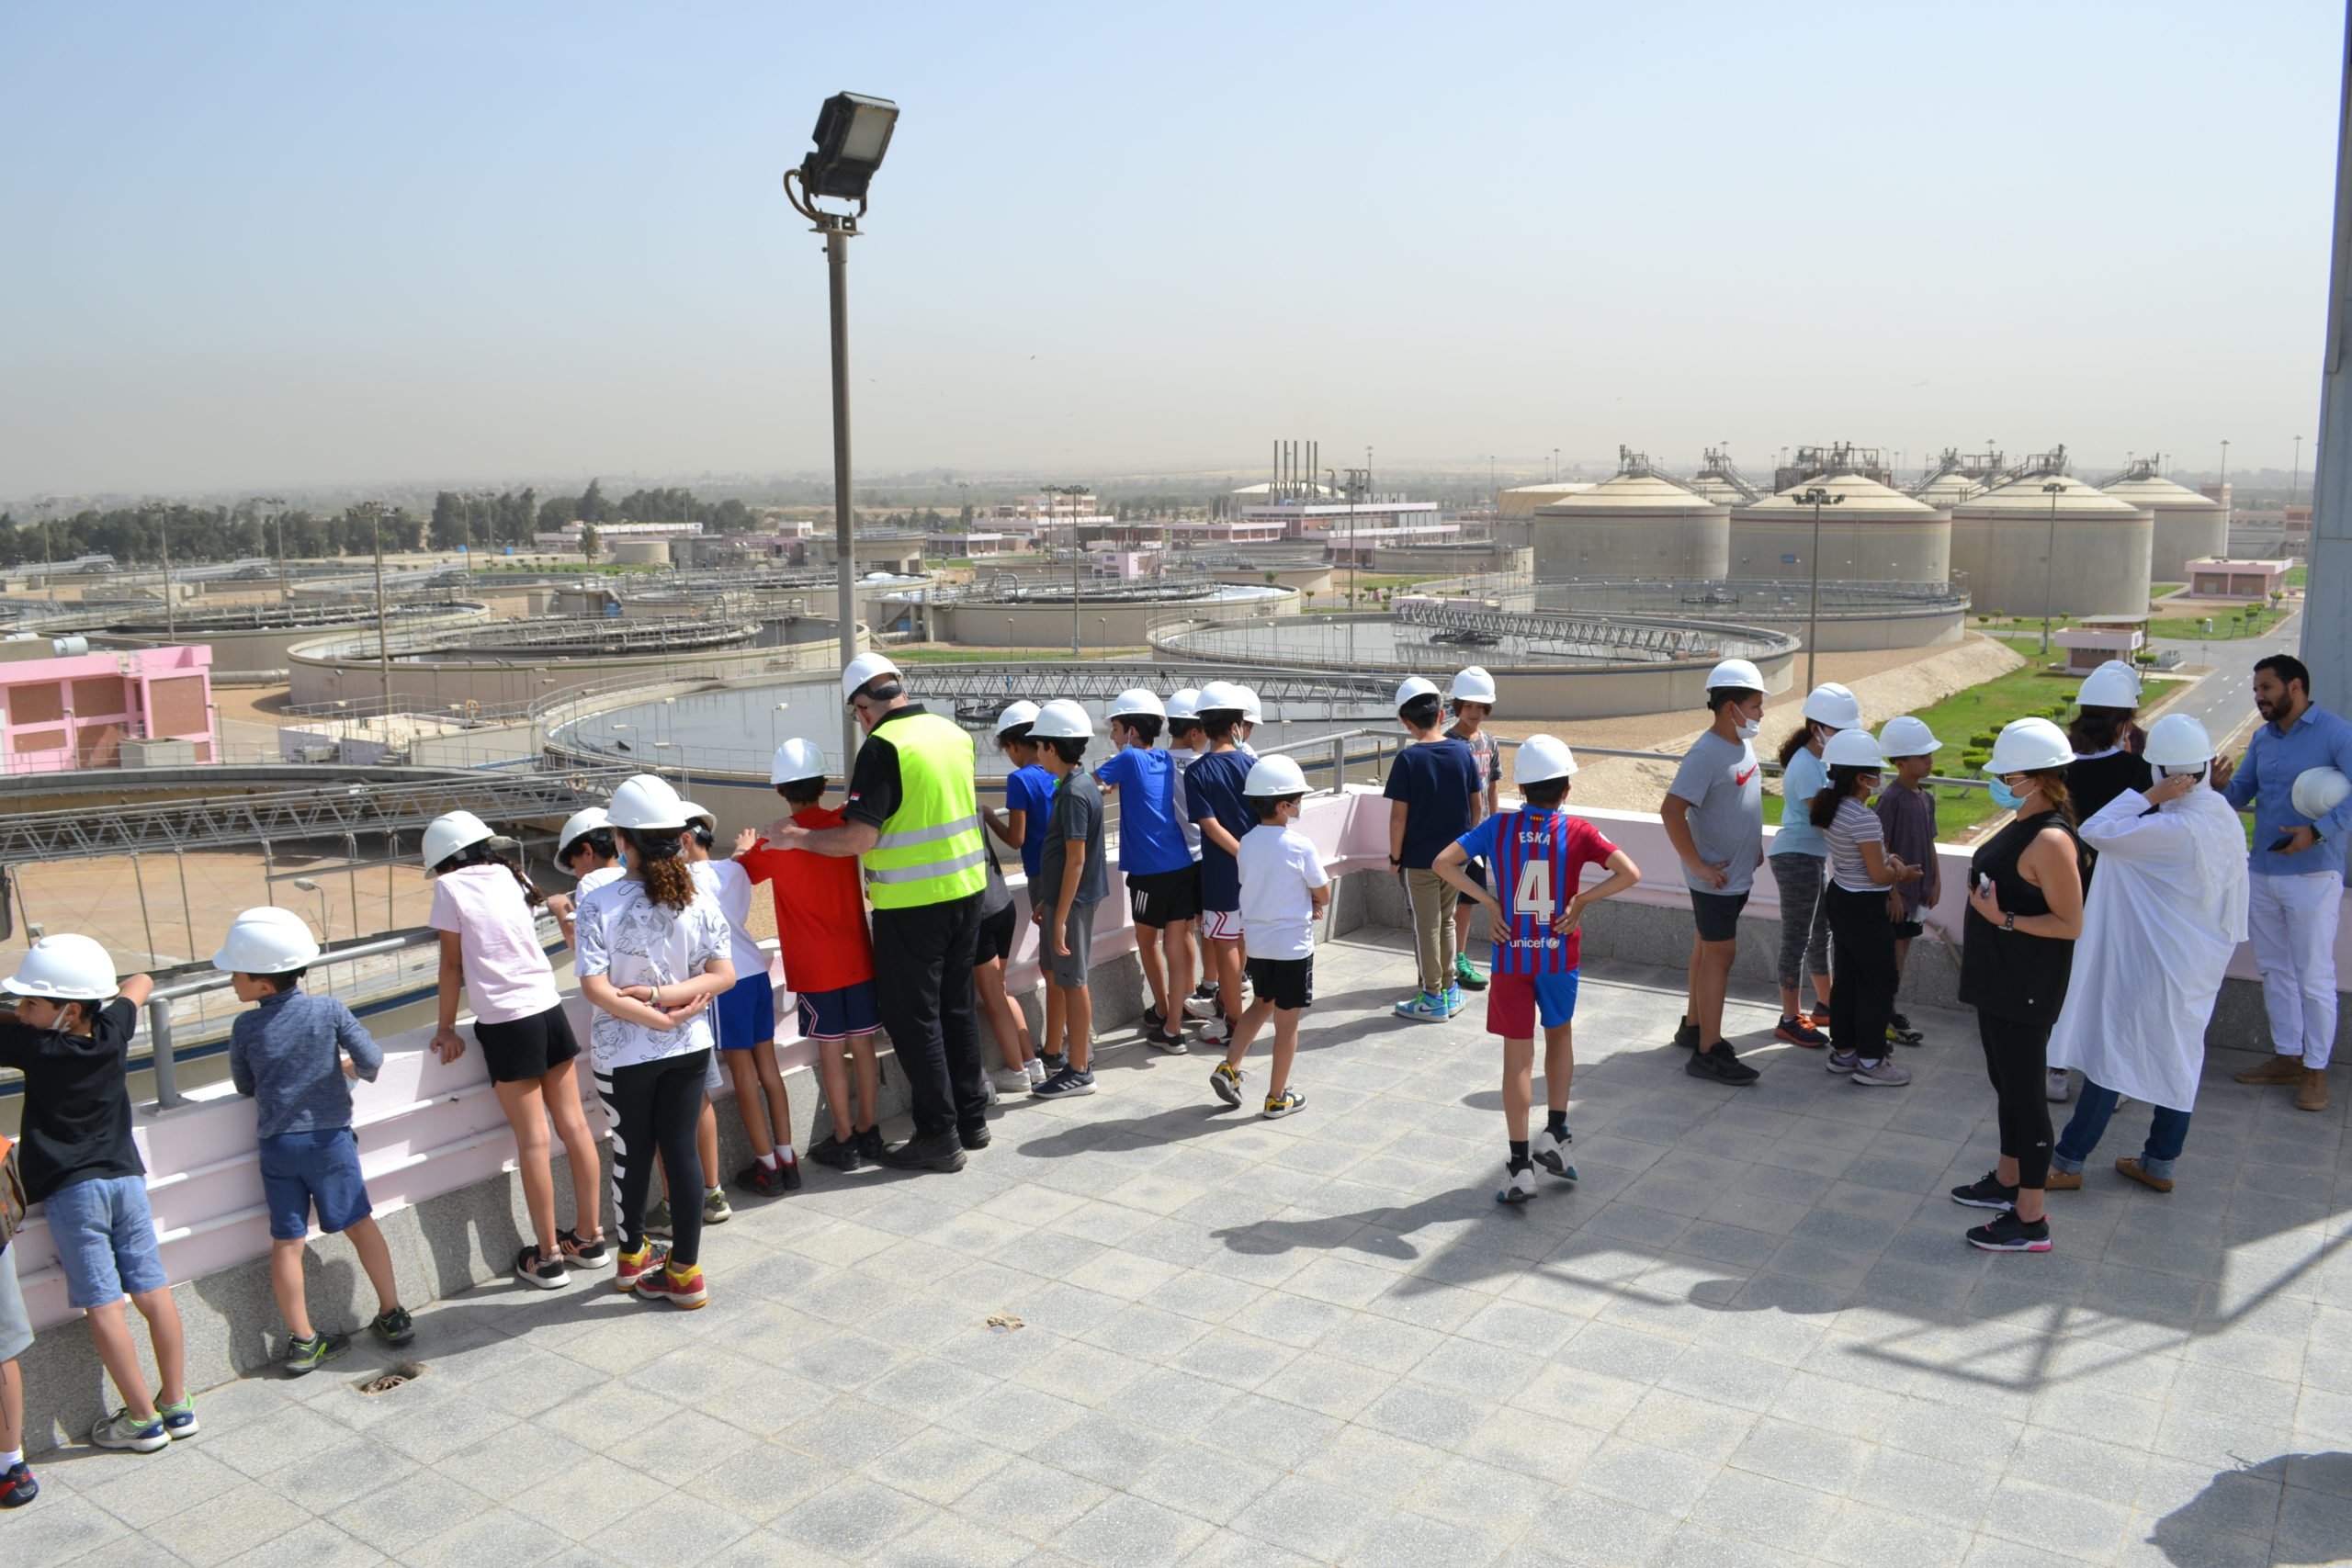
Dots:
{"x": 105, "y": 1238}
{"x": 745, "y": 1013}
{"x": 299, "y": 1168}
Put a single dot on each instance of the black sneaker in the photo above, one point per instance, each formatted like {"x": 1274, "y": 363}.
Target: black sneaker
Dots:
{"x": 1167, "y": 1040}
{"x": 943, "y": 1152}
{"x": 2006, "y": 1232}
{"x": 579, "y": 1254}
{"x": 1987, "y": 1192}
{"x": 304, "y": 1357}
{"x": 1718, "y": 1063}
{"x": 1068, "y": 1081}
{"x": 17, "y": 1487}
{"x": 760, "y": 1181}
{"x": 1900, "y": 1027}
{"x": 546, "y": 1273}
{"x": 975, "y": 1137}
{"x": 869, "y": 1144}
{"x": 832, "y": 1151}
{"x": 1686, "y": 1034}
{"x": 790, "y": 1173}
{"x": 1154, "y": 1021}
{"x": 394, "y": 1327}
{"x": 1205, "y": 989}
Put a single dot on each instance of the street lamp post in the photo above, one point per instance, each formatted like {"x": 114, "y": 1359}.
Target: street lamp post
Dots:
{"x": 162, "y": 514}
{"x": 852, "y": 132}
{"x": 1815, "y": 497}
{"x": 2053, "y": 489}
{"x": 285, "y": 591}
{"x": 373, "y": 511}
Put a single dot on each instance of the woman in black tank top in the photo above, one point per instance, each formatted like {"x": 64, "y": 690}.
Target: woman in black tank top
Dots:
{"x": 2025, "y": 909}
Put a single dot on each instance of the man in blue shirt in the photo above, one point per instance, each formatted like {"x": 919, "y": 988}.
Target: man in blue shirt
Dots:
{"x": 2297, "y": 891}
{"x": 1163, "y": 884}
{"x": 1432, "y": 788}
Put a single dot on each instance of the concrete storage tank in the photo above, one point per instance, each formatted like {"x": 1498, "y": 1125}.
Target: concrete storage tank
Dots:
{"x": 1640, "y": 523}
{"x": 2092, "y": 560}
{"x": 1519, "y": 503}
{"x": 2190, "y": 526}
{"x": 1873, "y": 535}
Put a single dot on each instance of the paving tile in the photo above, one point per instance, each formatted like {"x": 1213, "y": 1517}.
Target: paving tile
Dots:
{"x": 1318, "y": 1521}
{"x": 1124, "y": 1531}
{"x": 311, "y": 1544}
{"x": 496, "y": 1538}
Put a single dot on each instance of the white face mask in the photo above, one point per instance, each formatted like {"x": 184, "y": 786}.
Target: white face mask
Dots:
{"x": 1748, "y": 729}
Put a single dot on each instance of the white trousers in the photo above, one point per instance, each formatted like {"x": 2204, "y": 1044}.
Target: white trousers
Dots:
{"x": 2291, "y": 922}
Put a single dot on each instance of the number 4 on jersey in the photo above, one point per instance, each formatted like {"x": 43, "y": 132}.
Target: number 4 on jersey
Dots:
{"x": 1533, "y": 894}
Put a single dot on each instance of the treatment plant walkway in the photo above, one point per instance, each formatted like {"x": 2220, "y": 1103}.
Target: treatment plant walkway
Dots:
{"x": 1751, "y": 1336}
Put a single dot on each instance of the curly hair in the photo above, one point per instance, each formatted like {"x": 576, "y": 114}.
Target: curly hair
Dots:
{"x": 653, "y": 856}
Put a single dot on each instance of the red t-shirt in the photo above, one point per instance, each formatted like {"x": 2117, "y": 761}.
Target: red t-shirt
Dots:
{"x": 819, "y": 909}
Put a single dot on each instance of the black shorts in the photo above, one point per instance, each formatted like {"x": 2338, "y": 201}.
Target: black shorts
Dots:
{"x": 1288, "y": 983}
{"x": 1717, "y": 914}
{"x": 526, "y": 1047}
{"x": 1477, "y": 871}
{"x": 1164, "y": 897}
{"x": 1906, "y": 929}
{"x": 996, "y": 934}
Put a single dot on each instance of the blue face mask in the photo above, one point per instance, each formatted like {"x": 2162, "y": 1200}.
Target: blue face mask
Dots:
{"x": 2005, "y": 797}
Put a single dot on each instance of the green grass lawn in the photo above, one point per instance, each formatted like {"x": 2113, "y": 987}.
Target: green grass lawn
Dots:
{"x": 2158, "y": 588}
{"x": 2226, "y": 626}
{"x": 1955, "y": 808}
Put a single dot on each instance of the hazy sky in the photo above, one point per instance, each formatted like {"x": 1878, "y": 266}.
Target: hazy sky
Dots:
{"x": 257, "y": 244}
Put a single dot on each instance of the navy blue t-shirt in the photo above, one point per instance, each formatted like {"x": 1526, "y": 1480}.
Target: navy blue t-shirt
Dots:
{"x": 1149, "y": 839}
{"x": 1212, "y": 788}
{"x": 1435, "y": 780}
{"x": 1030, "y": 789}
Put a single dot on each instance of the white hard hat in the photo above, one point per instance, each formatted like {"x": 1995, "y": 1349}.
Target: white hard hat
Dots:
{"x": 702, "y": 814}
{"x": 1183, "y": 703}
{"x": 1015, "y": 714}
{"x": 794, "y": 760}
{"x": 266, "y": 941}
{"x": 2113, "y": 684}
{"x": 647, "y": 801}
{"x": 2029, "y": 746}
{"x": 1471, "y": 684}
{"x": 1852, "y": 748}
{"x": 1541, "y": 759}
{"x": 1136, "y": 700}
{"x": 1834, "y": 706}
{"x": 863, "y": 668}
{"x": 446, "y": 835}
{"x": 2319, "y": 791}
{"x": 1062, "y": 719}
{"x": 2176, "y": 740}
{"x": 64, "y": 968}
{"x": 1250, "y": 713}
{"x": 1221, "y": 695}
{"x": 1735, "y": 674}
{"x": 1908, "y": 737}
{"x": 580, "y": 824}
{"x": 1414, "y": 686}
{"x": 1274, "y": 775}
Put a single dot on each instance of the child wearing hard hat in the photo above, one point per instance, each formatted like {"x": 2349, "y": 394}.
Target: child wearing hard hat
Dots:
{"x": 1907, "y": 811}
{"x": 1214, "y": 799}
{"x": 1862, "y": 871}
{"x": 1799, "y": 860}
{"x": 1071, "y": 880}
{"x": 1430, "y": 790}
{"x": 1714, "y": 815}
{"x": 294, "y": 1055}
{"x": 1283, "y": 887}
{"x": 78, "y": 1159}
{"x": 743, "y": 1019}
{"x": 1539, "y": 854}
{"x": 1472, "y": 696}
{"x": 1163, "y": 884}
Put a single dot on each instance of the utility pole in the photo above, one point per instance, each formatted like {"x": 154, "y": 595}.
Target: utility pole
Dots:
{"x": 162, "y": 514}
{"x": 2295, "y": 480}
{"x": 374, "y": 511}
{"x": 285, "y": 591}
{"x": 2053, "y": 489}
{"x": 1815, "y": 497}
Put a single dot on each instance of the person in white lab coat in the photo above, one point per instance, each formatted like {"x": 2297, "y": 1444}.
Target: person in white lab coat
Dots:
{"x": 2166, "y": 911}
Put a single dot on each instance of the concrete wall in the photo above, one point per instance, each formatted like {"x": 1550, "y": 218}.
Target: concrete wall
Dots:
{"x": 1862, "y": 552}
{"x": 332, "y": 670}
{"x": 2100, "y": 568}
{"x": 1100, "y": 625}
{"x": 2186, "y": 534}
{"x": 1632, "y": 547}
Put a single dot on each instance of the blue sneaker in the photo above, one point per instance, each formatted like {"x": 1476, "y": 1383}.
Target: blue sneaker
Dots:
{"x": 1455, "y": 1000}
{"x": 179, "y": 1420}
{"x": 1423, "y": 1006}
{"x": 124, "y": 1431}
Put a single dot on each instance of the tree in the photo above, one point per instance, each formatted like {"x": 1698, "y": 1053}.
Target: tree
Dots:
{"x": 588, "y": 543}
{"x": 594, "y": 507}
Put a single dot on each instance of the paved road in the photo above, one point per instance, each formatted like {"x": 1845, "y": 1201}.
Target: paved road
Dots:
{"x": 2224, "y": 700}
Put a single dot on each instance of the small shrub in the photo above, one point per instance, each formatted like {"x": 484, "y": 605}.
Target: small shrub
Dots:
{"x": 1982, "y": 739}
{"x": 1974, "y": 758}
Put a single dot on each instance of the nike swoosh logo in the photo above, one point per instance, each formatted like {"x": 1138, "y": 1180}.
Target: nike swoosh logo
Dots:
{"x": 1741, "y": 779}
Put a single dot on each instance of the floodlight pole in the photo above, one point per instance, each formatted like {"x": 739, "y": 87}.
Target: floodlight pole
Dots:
{"x": 1819, "y": 498}
{"x": 2050, "y": 562}
{"x": 837, "y": 228}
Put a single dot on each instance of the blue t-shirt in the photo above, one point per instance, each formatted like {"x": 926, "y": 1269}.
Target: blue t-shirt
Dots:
{"x": 1212, "y": 787}
{"x": 1030, "y": 789}
{"x": 1803, "y": 778}
{"x": 1435, "y": 780}
{"x": 1150, "y": 842}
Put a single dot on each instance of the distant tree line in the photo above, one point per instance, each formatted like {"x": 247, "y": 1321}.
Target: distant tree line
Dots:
{"x": 135, "y": 535}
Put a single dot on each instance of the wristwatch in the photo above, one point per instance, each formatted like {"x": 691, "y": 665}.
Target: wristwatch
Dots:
{"x": 2010, "y": 921}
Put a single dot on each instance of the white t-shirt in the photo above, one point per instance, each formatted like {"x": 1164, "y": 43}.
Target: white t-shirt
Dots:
{"x": 507, "y": 973}
{"x": 625, "y": 936}
{"x": 1278, "y": 866}
{"x": 597, "y": 878}
{"x": 731, "y": 886}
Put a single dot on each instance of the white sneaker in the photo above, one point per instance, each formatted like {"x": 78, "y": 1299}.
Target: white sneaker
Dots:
{"x": 1033, "y": 1072}
{"x": 2060, "y": 1086}
{"x": 1200, "y": 1007}
{"x": 1010, "y": 1080}
{"x": 1551, "y": 1154}
{"x": 1518, "y": 1189}
{"x": 1216, "y": 1032}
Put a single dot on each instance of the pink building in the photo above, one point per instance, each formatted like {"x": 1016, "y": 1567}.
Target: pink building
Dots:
{"x": 76, "y": 711}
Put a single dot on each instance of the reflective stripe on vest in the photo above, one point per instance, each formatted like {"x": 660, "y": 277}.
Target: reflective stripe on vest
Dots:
{"x": 930, "y": 850}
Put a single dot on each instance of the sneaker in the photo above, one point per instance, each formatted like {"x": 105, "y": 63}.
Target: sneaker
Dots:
{"x": 1167, "y": 1040}
{"x": 1719, "y": 1064}
{"x": 869, "y": 1144}
{"x": 1899, "y": 1030}
{"x": 124, "y": 1431}
{"x": 1841, "y": 1062}
{"x": 394, "y": 1327}
{"x": 1518, "y": 1186}
{"x": 579, "y": 1254}
{"x": 1068, "y": 1082}
{"x": 1035, "y": 1071}
{"x": 1198, "y": 1005}
{"x": 1056, "y": 1061}
{"x": 669, "y": 1284}
{"x": 1153, "y": 1020}
{"x": 830, "y": 1150}
{"x": 975, "y": 1137}
{"x": 1227, "y": 1082}
{"x": 179, "y": 1420}
{"x": 1882, "y": 1074}
{"x": 790, "y": 1174}
{"x": 1552, "y": 1152}
{"x": 1465, "y": 974}
{"x": 760, "y": 1181}
{"x": 1987, "y": 1192}
{"x": 943, "y": 1152}
{"x": 634, "y": 1265}
{"x": 17, "y": 1487}
{"x": 1012, "y": 1080}
{"x": 714, "y": 1211}
{"x": 2006, "y": 1232}
{"x": 1455, "y": 1000}
{"x": 302, "y": 1358}
{"x": 1282, "y": 1104}
{"x": 1686, "y": 1035}
{"x": 1204, "y": 991}
{"x": 1797, "y": 1032}
{"x": 1216, "y": 1032}
{"x": 2058, "y": 1086}
{"x": 657, "y": 1218}
{"x": 1420, "y": 1007}
{"x": 546, "y": 1273}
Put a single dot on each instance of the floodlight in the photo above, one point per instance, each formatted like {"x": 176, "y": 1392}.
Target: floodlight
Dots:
{"x": 852, "y": 132}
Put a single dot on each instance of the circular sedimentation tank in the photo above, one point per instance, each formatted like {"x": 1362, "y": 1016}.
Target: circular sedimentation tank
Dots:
{"x": 1851, "y": 616}
{"x": 2189, "y": 526}
{"x": 1636, "y": 524}
{"x": 2051, "y": 543}
{"x": 257, "y": 636}
{"x": 1043, "y": 609}
{"x": 1871, "y": 533}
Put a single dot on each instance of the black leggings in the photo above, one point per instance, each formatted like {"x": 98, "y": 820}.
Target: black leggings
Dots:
{"x": 2017, "y": 1059}
{"x": 656, "y": 1107}
{"x": 1864, "y": 999}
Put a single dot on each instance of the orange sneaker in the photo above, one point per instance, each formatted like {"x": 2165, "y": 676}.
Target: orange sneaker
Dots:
{"x": 684, "y": 1289}
{"x": 631, "y": 1268}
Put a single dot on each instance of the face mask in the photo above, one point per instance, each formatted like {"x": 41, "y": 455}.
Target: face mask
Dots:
{"x": 2005, "y": 797}
{"x": 1748, "y": 729}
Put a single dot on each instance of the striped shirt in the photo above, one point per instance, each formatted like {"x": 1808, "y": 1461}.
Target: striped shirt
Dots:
{"x": 1538, "y": 859}
{"x": 1854, "y": 826}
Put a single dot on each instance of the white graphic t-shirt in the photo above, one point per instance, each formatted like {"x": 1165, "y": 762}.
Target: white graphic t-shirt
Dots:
{"x": 630, "y": 940}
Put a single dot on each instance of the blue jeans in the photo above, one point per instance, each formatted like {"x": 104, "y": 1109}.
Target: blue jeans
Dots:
{"x": 2167, "y": 1131}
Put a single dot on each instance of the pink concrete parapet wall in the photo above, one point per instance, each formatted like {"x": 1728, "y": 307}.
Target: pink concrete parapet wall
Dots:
{"x": 60, "y": 714}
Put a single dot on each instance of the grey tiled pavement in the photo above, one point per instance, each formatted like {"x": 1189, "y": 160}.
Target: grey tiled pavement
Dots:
{"x": 1751, "y": 1335}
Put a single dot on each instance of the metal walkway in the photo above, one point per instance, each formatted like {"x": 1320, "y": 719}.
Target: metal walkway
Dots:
{"x": 1587, "y": 636}
{"x": 1106, "y": 679}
